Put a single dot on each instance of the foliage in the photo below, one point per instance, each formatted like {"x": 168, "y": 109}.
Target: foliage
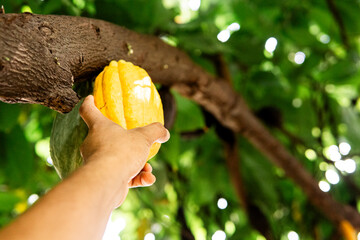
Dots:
{"x": 311, "y": 106}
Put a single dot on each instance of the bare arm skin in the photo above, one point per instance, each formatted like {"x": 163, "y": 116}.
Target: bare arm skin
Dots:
{"x": 80, "y": 206}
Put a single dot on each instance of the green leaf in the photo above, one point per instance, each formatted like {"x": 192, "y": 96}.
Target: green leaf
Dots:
{"x": 171, "y": 150}
{"x": 67, "y": 135}
{"x": 7, "y": 201}
{"x": 148, "y": 17}
{"x": 9, "y": 114}
{"x": 342, "y": 72}
{"x": 19, "y": 157}
{"x": 259, "y": 179}
{"x": 246, "y": 47}
{"x": 351, "y": 119}
{"x": 52, "y": 6}
{"x": 189, "y": 115}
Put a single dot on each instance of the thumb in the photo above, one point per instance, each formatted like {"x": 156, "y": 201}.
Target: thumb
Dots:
{"x": 155, "y": 132}
{"x": 89, "y": 112}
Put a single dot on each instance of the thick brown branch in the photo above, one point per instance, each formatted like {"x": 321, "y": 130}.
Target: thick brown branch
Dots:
{"x": 41, "y": 56}
{"x": 37, "y": 51}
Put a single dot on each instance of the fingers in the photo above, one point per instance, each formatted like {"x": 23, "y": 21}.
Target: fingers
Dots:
{"x": 143, "y": 179}
{"x": 90, "y": 113}
{"x": 155, "y": 132}
{"x": 147, "y": 168}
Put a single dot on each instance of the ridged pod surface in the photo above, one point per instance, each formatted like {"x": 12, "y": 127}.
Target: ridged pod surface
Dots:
{"x": 125, "y": 94}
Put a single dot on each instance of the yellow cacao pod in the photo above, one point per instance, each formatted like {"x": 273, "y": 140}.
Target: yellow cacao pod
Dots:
{"x": 125, "y": 94}
{"x": 347, "y": 230}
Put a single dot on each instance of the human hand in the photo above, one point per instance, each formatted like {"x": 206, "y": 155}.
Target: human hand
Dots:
{"x": 125, "y": 150}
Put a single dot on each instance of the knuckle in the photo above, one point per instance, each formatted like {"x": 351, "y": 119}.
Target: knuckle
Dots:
{"x": 148, "y": 141}
{"x": 95, "y": 126}
{"x": 158, "y": 126}
{"x": 141, "y": 136}
{"x": 149, "y": 132}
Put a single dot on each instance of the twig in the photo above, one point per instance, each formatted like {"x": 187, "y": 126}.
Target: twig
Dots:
{"x": 338, "y": 19}
{"x": 229, "y": 138}
{"x": 169, "y": 106}
{"x": 185, "y": 231}
{"x": 193, "y": 134}
{"x": 233, "y": 161}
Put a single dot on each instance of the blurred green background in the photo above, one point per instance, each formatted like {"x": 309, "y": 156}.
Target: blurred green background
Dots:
{"x": 297, "y": 65}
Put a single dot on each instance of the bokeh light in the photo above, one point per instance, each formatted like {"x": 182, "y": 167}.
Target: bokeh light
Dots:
{"x": 344, "y": 148}
{"x": 49, "y": 161}
{"x": 224, "y": 35}
{"x": 310, "y": 154}
{"x": 333, "y": 153}
{"x": 222, "y": 203}
{"x": 297, "y": 102}
{"x": 299, "y": 58}
{"x": 32, "y": 199}
{"x": 324, "y": 38}
{"x": 350, "y": 166}
{"x": 149, "y": 236}
{"x": 194, "y": 4}
{"x": 230, "y": 227}
{"x": 332, "y": 176}
{"x": 293, "y": 235}
{"x": 234, "y": 27}
{"x": 271, "y": 44}
{"x": 219, "y": 235}
{"x": 324, "y": 186}
{"x": 113, "y": 228}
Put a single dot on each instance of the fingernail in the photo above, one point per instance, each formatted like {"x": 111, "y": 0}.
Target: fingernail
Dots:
{"x": 143, "y": 182}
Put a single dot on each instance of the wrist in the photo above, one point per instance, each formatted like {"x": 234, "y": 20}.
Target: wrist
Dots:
{"x": 106, "y": 173}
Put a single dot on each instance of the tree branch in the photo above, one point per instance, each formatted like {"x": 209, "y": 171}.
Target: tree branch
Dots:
{"x": 169, "y": 106}
{"x": 228, "y": 137}
{"x": 41, "y": 57}
{"x": 255, "y": 215}
{"x": 38, "y": 51}
{"x": 338, "y": 19}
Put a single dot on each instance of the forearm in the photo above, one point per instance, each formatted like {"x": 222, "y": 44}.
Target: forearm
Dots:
{"x": 78, "y": 208}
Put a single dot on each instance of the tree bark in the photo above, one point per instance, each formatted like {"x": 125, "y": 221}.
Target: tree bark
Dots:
{"x": 42, "y": 56}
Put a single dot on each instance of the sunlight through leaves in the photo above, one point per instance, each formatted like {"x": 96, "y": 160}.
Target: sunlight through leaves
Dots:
{"x": 324, "y": 186}
{"x": 219, "y": 235}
